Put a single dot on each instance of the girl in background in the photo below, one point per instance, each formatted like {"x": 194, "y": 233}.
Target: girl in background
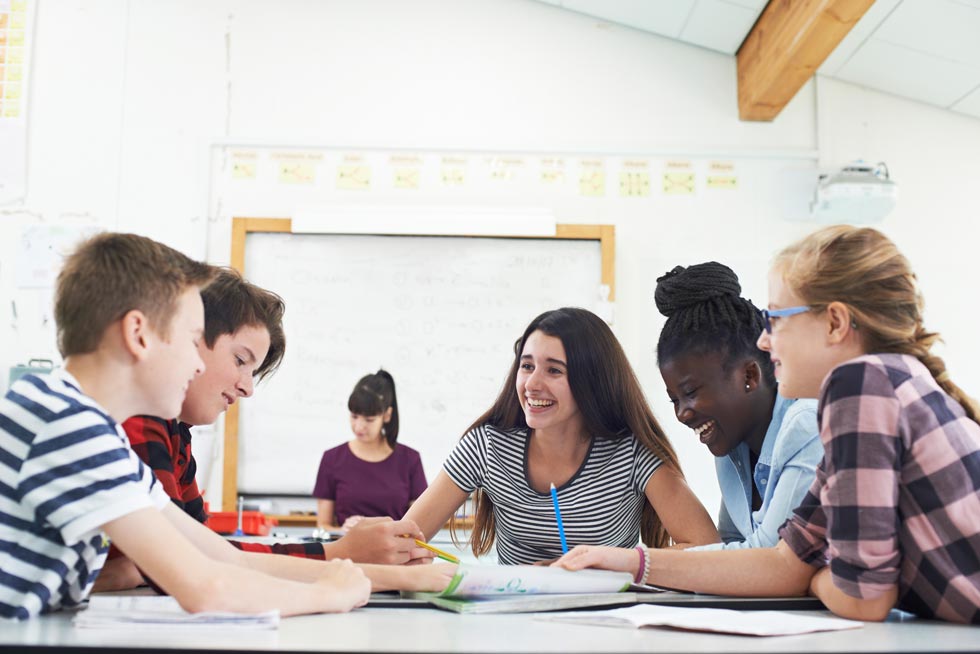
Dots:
{"x": 723, "y": 387}
{"x": 572, "y": 414}
{"x": 372, "y": 474}
{"x": 893, "y": 516}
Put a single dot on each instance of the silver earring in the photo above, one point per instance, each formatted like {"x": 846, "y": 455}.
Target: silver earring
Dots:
{"x": 748, "y": 388}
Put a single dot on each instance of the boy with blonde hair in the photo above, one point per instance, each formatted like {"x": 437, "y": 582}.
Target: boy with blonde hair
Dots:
{"x": 129, "y": 317}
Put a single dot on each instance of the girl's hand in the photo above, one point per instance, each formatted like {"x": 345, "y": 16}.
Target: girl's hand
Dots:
{"x": 350, "y": 522}
{"x": 599, "y": 556}
{"x": 429, "y": 578}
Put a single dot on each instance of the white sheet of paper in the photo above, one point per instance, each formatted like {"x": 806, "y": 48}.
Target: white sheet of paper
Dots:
{"x": 114, "y": 611}
{"x": 747, "y": 623}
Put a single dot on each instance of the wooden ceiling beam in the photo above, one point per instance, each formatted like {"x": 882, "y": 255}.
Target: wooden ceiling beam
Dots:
{"x": 785, "y": 47}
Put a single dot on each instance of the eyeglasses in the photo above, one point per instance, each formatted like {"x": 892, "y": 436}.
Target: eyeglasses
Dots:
{"x": 768, "y": 315}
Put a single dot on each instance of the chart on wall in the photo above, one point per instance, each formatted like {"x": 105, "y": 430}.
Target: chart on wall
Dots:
{"x": 16, "y": 40}
{"x": 281, "y": 181}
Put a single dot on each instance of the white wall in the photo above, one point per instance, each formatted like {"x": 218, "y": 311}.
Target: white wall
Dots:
{"x": 121, "y": 126}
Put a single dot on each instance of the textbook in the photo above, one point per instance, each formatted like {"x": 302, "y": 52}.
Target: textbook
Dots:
{"x": 727, "y": 621}
{"x": 528, "y": 588}
{"x": 115, "y": 611}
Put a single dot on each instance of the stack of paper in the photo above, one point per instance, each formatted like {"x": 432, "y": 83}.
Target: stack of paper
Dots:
{"x": 746, "y": 623}
{"x": 148, "y": 612}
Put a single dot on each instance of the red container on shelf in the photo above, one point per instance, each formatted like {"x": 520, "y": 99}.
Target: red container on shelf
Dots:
{"x": 254, "y": 523}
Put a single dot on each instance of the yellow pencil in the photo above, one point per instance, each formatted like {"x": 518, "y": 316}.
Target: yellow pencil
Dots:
{"x": 438, "y": 552}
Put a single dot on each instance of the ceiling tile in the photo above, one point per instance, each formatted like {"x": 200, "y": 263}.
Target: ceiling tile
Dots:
{"x": 887, "y": 67}
{"x": 952, "y": 32}
{"x": 872, "y": 18}
{"x": 719, "y": 25}
{"x": 970, "y": 104}
{"x": 662, "y": 17}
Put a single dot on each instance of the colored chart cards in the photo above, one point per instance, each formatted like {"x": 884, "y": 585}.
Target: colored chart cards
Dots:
{"x": 16, "y": 19}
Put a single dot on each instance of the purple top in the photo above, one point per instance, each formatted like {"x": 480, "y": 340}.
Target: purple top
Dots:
{"x": 370, "y": 488}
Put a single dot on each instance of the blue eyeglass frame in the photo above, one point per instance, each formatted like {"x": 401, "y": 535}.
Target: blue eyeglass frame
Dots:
{"x": 767, "y": 315}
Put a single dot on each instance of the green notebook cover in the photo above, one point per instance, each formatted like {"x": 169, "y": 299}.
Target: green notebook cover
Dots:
{"x": 525, "y": 603}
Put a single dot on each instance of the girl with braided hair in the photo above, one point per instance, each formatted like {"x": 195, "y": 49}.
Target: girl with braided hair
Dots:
{"x": 722, "y": 386}
{"x": 373, "y": 474}
{"x": 893, "y": 517}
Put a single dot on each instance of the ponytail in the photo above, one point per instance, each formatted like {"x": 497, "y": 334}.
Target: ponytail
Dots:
{"x": 373, "y": 395}
{"x": 920, "y": 348}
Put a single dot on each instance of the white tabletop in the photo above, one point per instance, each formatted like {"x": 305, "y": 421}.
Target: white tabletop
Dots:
{"x": 432, "y": 630}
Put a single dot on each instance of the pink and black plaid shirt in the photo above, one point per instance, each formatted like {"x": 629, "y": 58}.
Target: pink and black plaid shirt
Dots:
{"x": 896, "y": 498}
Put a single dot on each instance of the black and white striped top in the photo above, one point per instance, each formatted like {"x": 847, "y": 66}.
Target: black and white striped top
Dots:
{"x": 65, "y": 471}
{"x": 600, "y": 504}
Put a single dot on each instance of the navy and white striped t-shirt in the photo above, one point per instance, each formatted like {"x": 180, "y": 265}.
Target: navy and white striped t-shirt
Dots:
{"x": 600, "y": 505}
{"x": 65, "y": 470}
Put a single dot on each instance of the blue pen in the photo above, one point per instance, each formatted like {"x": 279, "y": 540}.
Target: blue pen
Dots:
{"x": 561, "y": 527}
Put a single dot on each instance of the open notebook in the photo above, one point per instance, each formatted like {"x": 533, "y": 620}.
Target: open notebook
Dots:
{"x": 528, "y": 588}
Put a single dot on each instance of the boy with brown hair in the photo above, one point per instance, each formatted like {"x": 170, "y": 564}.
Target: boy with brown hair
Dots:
{"x": 243, "y": 343}
{"x": 129, "y": 317}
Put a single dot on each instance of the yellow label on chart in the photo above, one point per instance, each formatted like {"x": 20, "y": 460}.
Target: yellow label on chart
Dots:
{"x": 592, "y": 183}
{"x": 407, "y": 178}
{"x": 296, "y": 172}
{"x": 243, "y": 170}
{"x": 244, "y": 164}
{"x": 634, "y": 184}
{"x": 11, "y": 111}
{"x": 722, "y": 181}
{"x": 552, "y": 176}
{"x": 453, "y": 175}
{"x": 18, "y": 21}
{"x": 18, "y": 6}
{"x": 12, "y": 91}
{"x": 16, "y": 38}
{"x": 354, "y": 177}
{"x": 678, "y": 183}
{"x": 15, "y": 55}
{"x": 504, "y": 168}
{"x": 15, "y": 73}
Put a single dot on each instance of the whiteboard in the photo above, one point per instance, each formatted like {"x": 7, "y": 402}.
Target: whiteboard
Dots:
{"x": 440, "y": 313}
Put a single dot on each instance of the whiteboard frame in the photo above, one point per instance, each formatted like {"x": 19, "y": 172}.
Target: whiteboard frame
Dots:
{"x": 242, "y": 227}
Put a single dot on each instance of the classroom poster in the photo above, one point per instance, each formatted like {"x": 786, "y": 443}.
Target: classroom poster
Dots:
{"x": 16, "y": 38}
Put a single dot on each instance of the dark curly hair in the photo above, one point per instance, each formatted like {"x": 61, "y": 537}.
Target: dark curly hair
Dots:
{"x": 706, "y": 313}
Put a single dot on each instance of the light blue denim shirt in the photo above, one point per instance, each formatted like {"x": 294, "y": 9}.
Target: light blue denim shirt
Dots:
{"x": 787, "y": 463}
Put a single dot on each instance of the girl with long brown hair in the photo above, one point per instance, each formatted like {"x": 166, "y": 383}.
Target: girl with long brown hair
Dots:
{"x": 572, "y": 414}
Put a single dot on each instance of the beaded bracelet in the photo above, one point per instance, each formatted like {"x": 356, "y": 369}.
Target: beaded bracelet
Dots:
{"x": 644, "y": 569}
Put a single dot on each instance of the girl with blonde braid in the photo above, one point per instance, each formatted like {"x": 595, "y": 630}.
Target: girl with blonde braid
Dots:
{"x": 893, "y": 517}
